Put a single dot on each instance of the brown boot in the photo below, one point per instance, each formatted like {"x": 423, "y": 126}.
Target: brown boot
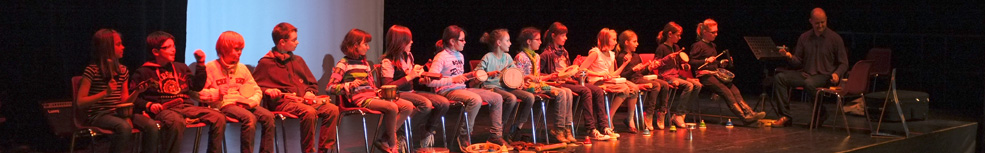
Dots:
{"x": 678, "y": 120}
{"x": 661, "y": 120}
{"x": 559, "y": 134}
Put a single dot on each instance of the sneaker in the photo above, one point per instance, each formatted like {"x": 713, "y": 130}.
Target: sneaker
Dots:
{"x": 428, "y": 140}
{"x": 612, "y": 134}
{"x": 646, "y": 132}
{"x": 596, "y": 135}
{"x": 559, "y": 134}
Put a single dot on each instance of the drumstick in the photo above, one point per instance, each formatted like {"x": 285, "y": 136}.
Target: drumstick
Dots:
{"x": 716, "y": 57}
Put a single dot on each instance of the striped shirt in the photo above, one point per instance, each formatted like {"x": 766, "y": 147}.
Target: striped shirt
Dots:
{"x": 100, "y": 83}
{"x": 347, "y": 70}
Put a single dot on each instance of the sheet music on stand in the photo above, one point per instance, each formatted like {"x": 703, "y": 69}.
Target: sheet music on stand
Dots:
{"x": 766, "y": 52}
{"x": 763, "y": 48}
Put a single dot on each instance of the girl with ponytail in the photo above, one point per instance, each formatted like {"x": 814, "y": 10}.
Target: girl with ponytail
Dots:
{"x": 669, "y": 71}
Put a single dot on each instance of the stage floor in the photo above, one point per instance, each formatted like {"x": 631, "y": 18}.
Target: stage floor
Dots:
{"x": 715, "y": 138}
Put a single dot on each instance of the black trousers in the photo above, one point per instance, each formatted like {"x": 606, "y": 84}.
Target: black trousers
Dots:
{"x": 786, "y": 80}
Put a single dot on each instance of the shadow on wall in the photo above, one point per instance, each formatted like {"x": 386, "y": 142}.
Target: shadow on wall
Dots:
{"x": 327, "y": 64}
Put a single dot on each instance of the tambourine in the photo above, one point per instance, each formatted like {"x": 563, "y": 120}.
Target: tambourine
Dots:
{"x": 320, "y": 99}
{"x": 387, "y": 92}
{"x": 568, "y": 71}
{"x": 724, "y": 75}
{"x": 511, "y": 78}
{"x": 432, "y": 150}
{"x": 650, "y": 77}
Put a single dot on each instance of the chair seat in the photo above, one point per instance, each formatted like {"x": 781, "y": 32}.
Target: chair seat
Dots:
{"x": 103, "y": 131}
{"x": 195, "y": 125}
{"x": 231, "y": 120}
{"x": 284, "y": 114}
{"x": 838, "y": 91}
{"x": 356, "y": 110}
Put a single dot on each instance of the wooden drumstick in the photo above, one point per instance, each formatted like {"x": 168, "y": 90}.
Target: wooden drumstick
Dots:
{"x": 716, "y": 57}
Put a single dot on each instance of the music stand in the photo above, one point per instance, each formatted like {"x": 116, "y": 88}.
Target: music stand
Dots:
{"x": 767, "y": 52}
{"x": 763, "y": 47}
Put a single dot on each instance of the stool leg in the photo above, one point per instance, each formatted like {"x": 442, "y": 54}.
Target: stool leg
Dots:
{"x": 444, "y": 131}
{"x": 841, "y": 110}
{"x": 71, "y": 147}
{"x": 543, "y": 114}
{"x": 338, "y": 127}
{"x": 640, "y": 125}
{"x": 198, "y": 136}
{"x": 365, "y": 134}
{"x": 533, "y": 125}
{"x": 408, "y": 135}
{"x": 607, "y": 112}
{"x": 468, "y": 128}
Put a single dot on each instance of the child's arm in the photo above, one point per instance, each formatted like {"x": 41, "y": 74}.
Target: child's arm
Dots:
{"x": 335, "y": 84}
{"x": 210, "y": 92}
{"x": 250, "y": 90}
{"x": 83, "y": 97}
{"x": 436, "y": 67}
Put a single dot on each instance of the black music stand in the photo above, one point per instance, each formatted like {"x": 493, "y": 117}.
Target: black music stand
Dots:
{"x": 765, "y": 51}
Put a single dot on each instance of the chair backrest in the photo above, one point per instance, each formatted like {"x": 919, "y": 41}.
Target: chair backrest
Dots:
{"x": 473, "y": 64}
{"x": 77, "y": 116}
{"x": 858, "y": 77}
{"x": 881, "y": 60}
{"x": 646, "y": 57}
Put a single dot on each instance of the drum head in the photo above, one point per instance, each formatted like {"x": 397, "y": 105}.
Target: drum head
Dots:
{"x": 481, "y": 75}
{"x": 684, "y": 57}
{"x": 511, "y": 78}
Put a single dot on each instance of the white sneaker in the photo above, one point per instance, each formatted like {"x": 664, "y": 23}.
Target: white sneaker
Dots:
{"x": 612, "y": 134}
{"x": 596, "y": 135}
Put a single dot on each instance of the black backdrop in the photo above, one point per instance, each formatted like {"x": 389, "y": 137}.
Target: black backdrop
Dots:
{"x": 937, "y": 46}
{"x": 45, "y": 43}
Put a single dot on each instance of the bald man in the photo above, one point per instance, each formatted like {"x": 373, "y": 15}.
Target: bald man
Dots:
{"x": 821, "y": 56}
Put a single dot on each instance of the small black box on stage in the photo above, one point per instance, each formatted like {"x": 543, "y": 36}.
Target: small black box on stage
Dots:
{"x": 59, "y": 115}
{"x": 915, "y": 105}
